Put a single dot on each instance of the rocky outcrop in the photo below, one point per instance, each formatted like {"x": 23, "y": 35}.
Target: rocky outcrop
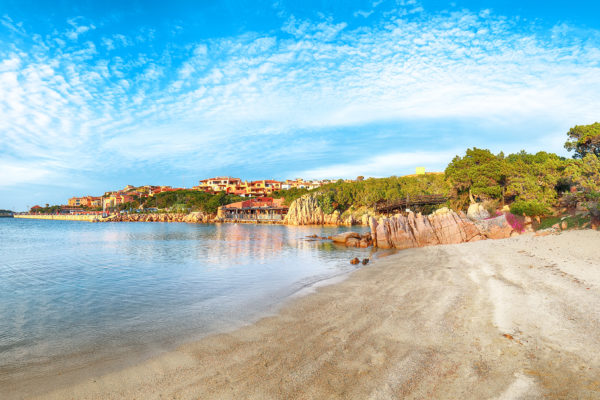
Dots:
{"x": 198, "y": 218}
{"x": 194, "y": 217}
{"x": 442, "y": 227}
{"x": 477, "y": 212}
{"x": 344, "y": 236}
{"x": 306, "y": 211}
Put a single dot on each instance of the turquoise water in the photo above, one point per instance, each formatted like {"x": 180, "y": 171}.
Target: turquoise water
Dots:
{"x": 76, "y": 293}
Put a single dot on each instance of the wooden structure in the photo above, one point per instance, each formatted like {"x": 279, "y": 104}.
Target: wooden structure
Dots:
{"x": 262, "y": 209}
{"x": 389, "y": 207}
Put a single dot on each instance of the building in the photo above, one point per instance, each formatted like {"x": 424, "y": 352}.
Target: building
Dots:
{"x": 225, "y": 184}
{"x": 160, "y": 189}
{"x": 75, "y": 201}
{"x": 71, "y": 210}
{"x": 264, "y": 187}
{"x": 86, "y": 201}
{"x": 259, "y": 209}
{"x": 115, "y": 199}
{"x": 420, "y": 170}
{"x": 235, "y": 186}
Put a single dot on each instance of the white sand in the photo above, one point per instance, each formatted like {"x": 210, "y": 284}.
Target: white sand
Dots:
{"x": 506, "y": 319}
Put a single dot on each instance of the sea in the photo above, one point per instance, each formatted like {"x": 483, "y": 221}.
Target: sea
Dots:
{"x": 85, "y": 298}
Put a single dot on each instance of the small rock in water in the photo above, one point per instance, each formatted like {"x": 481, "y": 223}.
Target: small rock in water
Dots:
{"x": 354, "y": 261}
{"x": 365, "y": 261}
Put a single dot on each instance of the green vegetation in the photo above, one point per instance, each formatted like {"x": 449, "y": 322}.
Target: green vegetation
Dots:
{"x": 183, "y": 201}
{"x": 365, "y": 193}
{"x": 573, "y": 221}
{"x": 532, "y": 184}
{"x": 585, "y": 173}
{"x": 584, "y": 139}
{"x": 531, "y": 208}
{"x": 289, "y": 195}
{"x": 48, "y": 209}
{"x": 518, "y": 177}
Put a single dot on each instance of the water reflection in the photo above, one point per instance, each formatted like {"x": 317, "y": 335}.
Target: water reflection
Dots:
{"x": 72, "y": 288}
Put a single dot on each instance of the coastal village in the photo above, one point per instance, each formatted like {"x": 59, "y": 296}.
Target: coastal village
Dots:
{"x": 259, "y": 206}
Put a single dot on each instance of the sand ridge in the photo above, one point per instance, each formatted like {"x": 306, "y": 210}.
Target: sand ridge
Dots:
{"x": 504, "y": 319}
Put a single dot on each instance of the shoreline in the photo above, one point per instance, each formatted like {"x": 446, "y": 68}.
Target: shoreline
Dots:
{"x": 513, "y": 317}
{"x": 69, "y": 373}
{"x": 168, "y": 218}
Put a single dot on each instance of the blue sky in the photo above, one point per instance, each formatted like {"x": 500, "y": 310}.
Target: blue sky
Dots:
{"x": 98, "y": 95}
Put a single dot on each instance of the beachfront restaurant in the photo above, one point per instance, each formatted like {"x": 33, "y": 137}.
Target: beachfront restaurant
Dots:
{"x": 259, "y": 209}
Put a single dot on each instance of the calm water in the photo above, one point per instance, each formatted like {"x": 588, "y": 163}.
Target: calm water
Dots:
{"x": 74, "y": 293}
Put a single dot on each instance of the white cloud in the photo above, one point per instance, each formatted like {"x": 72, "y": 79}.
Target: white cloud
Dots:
{"x": 364, "y": 14}
{"x": 78, "y": 29}
{"x": 232, "y": 98}
{"x": 399, "y": 163}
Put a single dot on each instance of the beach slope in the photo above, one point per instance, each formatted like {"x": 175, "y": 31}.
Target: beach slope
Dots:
{"x": 504, "y": 319}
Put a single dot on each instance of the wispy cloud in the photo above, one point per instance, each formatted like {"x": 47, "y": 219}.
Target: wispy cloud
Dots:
{"x": 378, "y": 166}
{"x": 87, "y": 100}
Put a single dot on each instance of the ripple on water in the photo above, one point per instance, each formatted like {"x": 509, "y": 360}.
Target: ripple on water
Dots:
{"x": 73, "y": 292}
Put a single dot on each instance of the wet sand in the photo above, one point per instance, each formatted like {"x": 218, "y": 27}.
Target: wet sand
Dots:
{"x": 504, "y": 319}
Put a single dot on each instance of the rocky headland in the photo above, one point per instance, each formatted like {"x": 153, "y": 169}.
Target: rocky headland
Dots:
{"x": 193, "y": 217}
{"x": 307, "y": 211}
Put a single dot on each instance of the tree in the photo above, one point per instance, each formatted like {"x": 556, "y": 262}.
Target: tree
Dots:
{"x": 479, "y": 173}
{"x": 585, "y": 139}
{"x": 585, "y": 173}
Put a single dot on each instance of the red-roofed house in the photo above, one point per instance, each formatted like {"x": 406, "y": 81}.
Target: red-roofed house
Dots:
{"x": 259, "y": 209}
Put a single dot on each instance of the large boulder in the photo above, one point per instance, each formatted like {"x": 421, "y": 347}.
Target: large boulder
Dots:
{"x": 196, "y": 217}
{"x": 344, "y": 236}
{"x": 495, "y": 228}
{"x": 306, "y": 211}
{"x": 352, "y": 242}
{"x": 477, "y": 212}
{"x": 446, "y": 227}
{"x": 365, "y": 220}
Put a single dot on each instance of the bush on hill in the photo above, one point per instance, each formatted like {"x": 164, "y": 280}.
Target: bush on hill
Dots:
{"x": 530, "y": 208}
{"x": 183, "y": 201}
{"x": 289, "y": 195}
{"x": 343, "y": 195}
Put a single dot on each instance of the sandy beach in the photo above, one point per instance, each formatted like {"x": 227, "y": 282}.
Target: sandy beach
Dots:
{"x": 503, "y": 319}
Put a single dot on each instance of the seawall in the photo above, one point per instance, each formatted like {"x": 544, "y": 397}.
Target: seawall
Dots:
{"x": 86, "y": 218}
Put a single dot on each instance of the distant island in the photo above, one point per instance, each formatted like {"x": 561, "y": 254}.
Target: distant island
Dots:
{"x": 6, "y": 213}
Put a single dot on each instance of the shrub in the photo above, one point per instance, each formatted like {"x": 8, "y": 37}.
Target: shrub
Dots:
{"x": 531, "y": 208}
{"x": 491, "y": 206}
{"x": 326, "y": 203}
{"x": 515, "y": 222}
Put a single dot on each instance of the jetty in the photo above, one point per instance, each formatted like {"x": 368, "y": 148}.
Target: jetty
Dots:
{"x": 62, "y": 217}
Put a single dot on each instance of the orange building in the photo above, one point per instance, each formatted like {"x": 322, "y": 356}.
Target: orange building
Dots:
{"x": 264, "y": 187}
{"x": 86, "y": 201}
{"x": 115, "y": 199}
{"x": 225, "y": 184}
